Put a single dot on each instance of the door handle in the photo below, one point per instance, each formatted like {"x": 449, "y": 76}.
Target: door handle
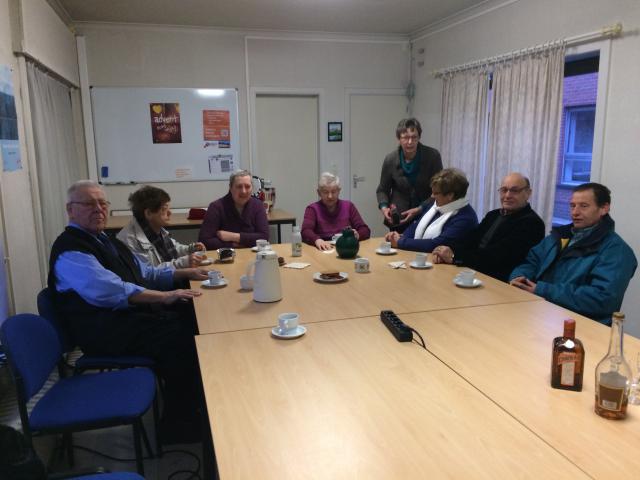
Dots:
{"x": 357, "y": 179}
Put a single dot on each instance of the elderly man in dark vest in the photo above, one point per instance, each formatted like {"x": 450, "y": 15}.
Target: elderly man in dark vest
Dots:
{"x": 114, "y": 304}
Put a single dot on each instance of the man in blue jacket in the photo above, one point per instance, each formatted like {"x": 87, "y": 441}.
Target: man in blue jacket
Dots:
{"x": 585, "y": 266}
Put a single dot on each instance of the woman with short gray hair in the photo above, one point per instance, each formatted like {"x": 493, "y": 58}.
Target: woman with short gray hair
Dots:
{"x": 330, "y": 215}
{"x": 446, "y": 219}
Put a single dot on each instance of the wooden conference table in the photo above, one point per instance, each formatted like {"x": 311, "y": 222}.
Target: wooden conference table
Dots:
{"x": 179, "y": 221}
{"x": 347, "y": 400}
{"x": 384, "y": 288}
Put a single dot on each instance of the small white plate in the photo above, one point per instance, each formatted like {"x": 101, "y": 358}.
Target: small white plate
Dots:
{"x": 413, "y": 264}
{"x": 392, "y": 251}
{"x": 255, "y": 249}
{"x": 207, "y": 284}
{"x": 343, "y": 277}
{"x": 295, "y": 333}
{"x": 476, "y": 283}
{"x": 208, "y": 261}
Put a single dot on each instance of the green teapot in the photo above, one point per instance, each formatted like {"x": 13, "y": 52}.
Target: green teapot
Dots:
{"x": 347, "y": 245}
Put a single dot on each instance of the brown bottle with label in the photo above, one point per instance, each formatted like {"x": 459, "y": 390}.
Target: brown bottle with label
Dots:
{"x": 567, "y": 361}
{"x": 613, "y": 376}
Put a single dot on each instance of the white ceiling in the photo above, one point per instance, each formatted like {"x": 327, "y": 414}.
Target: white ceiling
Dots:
{"x": 338, "y": 16}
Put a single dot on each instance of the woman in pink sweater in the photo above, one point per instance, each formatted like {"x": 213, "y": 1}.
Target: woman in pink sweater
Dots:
{"x": 330, "y": 215}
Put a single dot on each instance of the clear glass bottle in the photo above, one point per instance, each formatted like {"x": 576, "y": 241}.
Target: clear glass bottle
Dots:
{"x": 613, "y": 376}
{"x": 567, "y": 361}
{"x": 634, "y": 393}
{"x": 296, "y": 242}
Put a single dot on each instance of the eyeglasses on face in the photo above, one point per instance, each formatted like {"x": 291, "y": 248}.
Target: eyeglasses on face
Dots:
{"x": 514, "y": 190}
{"x": 406, "y": 138}
{"x": 93, "y": 204}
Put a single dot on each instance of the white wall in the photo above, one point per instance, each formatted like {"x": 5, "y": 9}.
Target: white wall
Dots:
{"x": 528, "y": 22}
{"x": 48, "y": 39}
{"x": 188, "y": 57}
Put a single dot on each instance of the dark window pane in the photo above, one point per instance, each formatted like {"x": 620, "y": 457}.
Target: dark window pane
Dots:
{"x": 583, "y": 140}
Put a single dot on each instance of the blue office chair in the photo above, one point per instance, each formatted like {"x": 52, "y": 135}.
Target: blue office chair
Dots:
{"x": 99, "y": 476}
{"x": 85, "y": 362}
{"x": 77, "y": 403}
{"x": 101, "y": 363}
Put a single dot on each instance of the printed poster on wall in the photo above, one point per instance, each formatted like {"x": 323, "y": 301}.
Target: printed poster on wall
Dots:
{"x": 216, "y": 127}
{"x": 9, "y": 143}
{"x": 165, "y": 122}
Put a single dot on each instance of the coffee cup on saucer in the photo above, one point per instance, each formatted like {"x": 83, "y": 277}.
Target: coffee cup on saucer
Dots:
{"x": 385, "y": 247}
{"x": 287, "y": 323}
{"x": 215, "y": 277}
{"x": 466, "y": 277}
{"x": 421, "y": 259}
{"x": 361, "y": 265}
{"x": 263, "y": 245}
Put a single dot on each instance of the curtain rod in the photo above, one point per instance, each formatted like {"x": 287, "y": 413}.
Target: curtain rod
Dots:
{"x": 46, "y": 69}
{"x": 608, "y": 31}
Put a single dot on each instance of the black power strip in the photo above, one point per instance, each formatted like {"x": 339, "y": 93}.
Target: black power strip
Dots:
{"x": 396, "y": 326}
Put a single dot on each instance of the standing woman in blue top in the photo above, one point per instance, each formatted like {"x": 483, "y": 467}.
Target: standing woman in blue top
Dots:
{"x": 448, "y": 217}
{"x": 406, "y": 173}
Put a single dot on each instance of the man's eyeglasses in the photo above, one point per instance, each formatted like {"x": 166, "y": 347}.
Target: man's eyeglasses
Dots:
{"x": 406, "y": 138}
{"x": 514, "y": 190}
{"x": 99, "y": 203}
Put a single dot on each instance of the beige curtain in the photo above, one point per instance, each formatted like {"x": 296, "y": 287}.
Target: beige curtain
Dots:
{"x": 59, "y": 159}
{"x": 524, "y": 125}
{"x": 464, "y": 128}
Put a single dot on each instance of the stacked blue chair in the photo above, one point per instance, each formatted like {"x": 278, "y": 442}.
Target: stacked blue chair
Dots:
{"x": 92, "y": 362}
{"x": 76, "y": 403}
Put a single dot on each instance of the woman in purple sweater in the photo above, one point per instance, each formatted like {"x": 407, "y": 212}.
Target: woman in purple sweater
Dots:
{"x": 237, "y": 219}
{"x": 330, "y": 215}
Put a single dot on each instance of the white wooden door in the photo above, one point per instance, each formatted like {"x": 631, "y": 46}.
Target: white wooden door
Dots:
{"x": 372, "y": 126}
{"x": 287, "y": 151}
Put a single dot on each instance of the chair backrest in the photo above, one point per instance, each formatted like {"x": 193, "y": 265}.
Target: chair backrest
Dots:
{"x": 47, "y": 310}
{"x": 33, "y": 349}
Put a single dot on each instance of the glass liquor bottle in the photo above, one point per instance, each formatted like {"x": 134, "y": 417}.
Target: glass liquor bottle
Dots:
{"x": 567, "y": 361}
{"x": 613, "y": 376}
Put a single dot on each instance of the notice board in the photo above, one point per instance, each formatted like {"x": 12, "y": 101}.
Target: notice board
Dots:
{"x": 165, "y": 134}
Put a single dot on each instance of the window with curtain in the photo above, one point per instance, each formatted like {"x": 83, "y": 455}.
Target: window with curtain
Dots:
{"x": 512, "y": 126}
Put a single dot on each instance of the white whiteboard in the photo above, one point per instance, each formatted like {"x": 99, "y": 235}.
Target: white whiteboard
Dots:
{"x": 196, "y": 133}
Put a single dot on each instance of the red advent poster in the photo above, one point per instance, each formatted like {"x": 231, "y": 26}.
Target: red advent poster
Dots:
{"x": 215, "y": 124}
{"x": 165, "y": 122}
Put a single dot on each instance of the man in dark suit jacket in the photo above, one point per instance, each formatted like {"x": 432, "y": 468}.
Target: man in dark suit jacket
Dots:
{"x": 503, "y": 238}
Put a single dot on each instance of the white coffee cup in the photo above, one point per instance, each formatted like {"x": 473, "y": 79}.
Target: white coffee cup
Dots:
{"x": 385, "y": 247}
{"x": 361, "y": 265}
{"x": 215, "y": 277}
{"x": 287, "y": 322}
{"x": 246, "y": 282}
{"x": 466, "y": 277}
{"x": 263, "y": 245}
{"x": 201, "y": 254}
{"x": 421, "y": 259}
{"x": 336, "y": 237}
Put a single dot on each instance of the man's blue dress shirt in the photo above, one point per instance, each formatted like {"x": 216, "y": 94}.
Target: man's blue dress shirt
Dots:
{"x": 83, "y": 273}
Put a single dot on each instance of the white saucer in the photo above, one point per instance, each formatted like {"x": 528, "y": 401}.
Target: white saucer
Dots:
{"x": 222, "y": 283}
{"x": 476, "y": 283}
{"x": 298, "y": 332}
{"x": 391, "y": 251}
{"x": 255, "y": 249}
{"x": 413, "y": 264}
{"x": 343, "y": 277}
{"x": 208, "y": 261}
